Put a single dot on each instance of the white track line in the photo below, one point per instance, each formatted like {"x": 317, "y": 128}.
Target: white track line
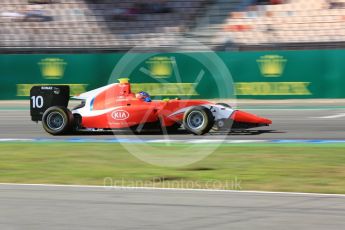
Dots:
{"x": 107, "y": 188}
{"x": 14, "y": 139}
{"x": 332, "y": 116}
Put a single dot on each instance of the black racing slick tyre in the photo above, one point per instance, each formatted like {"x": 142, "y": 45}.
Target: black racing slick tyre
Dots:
{"x": 57, "y": 120}
{"x": 198, "y": 120}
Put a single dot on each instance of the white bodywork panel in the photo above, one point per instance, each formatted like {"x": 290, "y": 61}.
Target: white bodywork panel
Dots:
{"x": 87, "y": 111}
{"x": 218, "y": 111}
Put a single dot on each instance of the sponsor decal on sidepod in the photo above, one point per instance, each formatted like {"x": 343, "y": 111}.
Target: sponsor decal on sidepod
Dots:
{"x": 120, "y": 115}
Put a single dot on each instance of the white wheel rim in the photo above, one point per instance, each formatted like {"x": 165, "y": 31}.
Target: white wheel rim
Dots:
{"x": 195, "y": 120}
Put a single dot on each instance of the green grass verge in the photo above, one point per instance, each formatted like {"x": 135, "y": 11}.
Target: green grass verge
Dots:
{"x": 297, "y": 168}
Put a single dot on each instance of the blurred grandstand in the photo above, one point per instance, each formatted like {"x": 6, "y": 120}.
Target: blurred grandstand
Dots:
{"x": 89, "y": 25}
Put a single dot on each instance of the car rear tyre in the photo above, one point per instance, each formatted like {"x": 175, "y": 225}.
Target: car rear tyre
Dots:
{"x": 57, "y": 120}
{"x": 198, "y": 120}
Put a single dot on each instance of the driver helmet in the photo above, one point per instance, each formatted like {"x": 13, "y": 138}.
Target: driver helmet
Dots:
{"x": 143, "y": 96}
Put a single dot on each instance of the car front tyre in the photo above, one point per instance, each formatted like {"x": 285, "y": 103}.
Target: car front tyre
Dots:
{"x": 198, "y": 120}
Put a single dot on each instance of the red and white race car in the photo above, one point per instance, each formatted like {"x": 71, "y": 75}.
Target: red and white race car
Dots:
{"x": 115, "y": 107}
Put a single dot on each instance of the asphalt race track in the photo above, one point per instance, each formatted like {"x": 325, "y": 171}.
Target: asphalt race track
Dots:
{"x": 287, "y": 124}
{"x": 66, "y": 207}
{"x": 45, "y": 207}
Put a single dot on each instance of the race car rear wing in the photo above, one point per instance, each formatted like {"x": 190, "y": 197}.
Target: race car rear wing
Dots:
{"x": 46, "y": 96}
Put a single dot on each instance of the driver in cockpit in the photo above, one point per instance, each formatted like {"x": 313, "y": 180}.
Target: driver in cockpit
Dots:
{"x": 143, "y": 96}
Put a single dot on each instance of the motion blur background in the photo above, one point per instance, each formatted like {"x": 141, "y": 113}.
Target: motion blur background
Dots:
{"x": 273, "y": 48}
{"x": 221, "y": 24}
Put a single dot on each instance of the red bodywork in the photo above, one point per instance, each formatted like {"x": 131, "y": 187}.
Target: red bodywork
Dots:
{"x": 117, "y": 107}
{"x": 244, "y": 117}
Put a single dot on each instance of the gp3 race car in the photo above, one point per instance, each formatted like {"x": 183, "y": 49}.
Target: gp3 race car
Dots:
{"x": 114, "y": 107}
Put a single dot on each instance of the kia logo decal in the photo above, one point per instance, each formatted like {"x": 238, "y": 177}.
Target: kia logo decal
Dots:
{"x": 120, "y": 115}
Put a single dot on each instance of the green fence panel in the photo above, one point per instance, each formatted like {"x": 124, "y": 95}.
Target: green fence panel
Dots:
{"x": 82, "y": 71}
{"x": 257, "y": 75}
